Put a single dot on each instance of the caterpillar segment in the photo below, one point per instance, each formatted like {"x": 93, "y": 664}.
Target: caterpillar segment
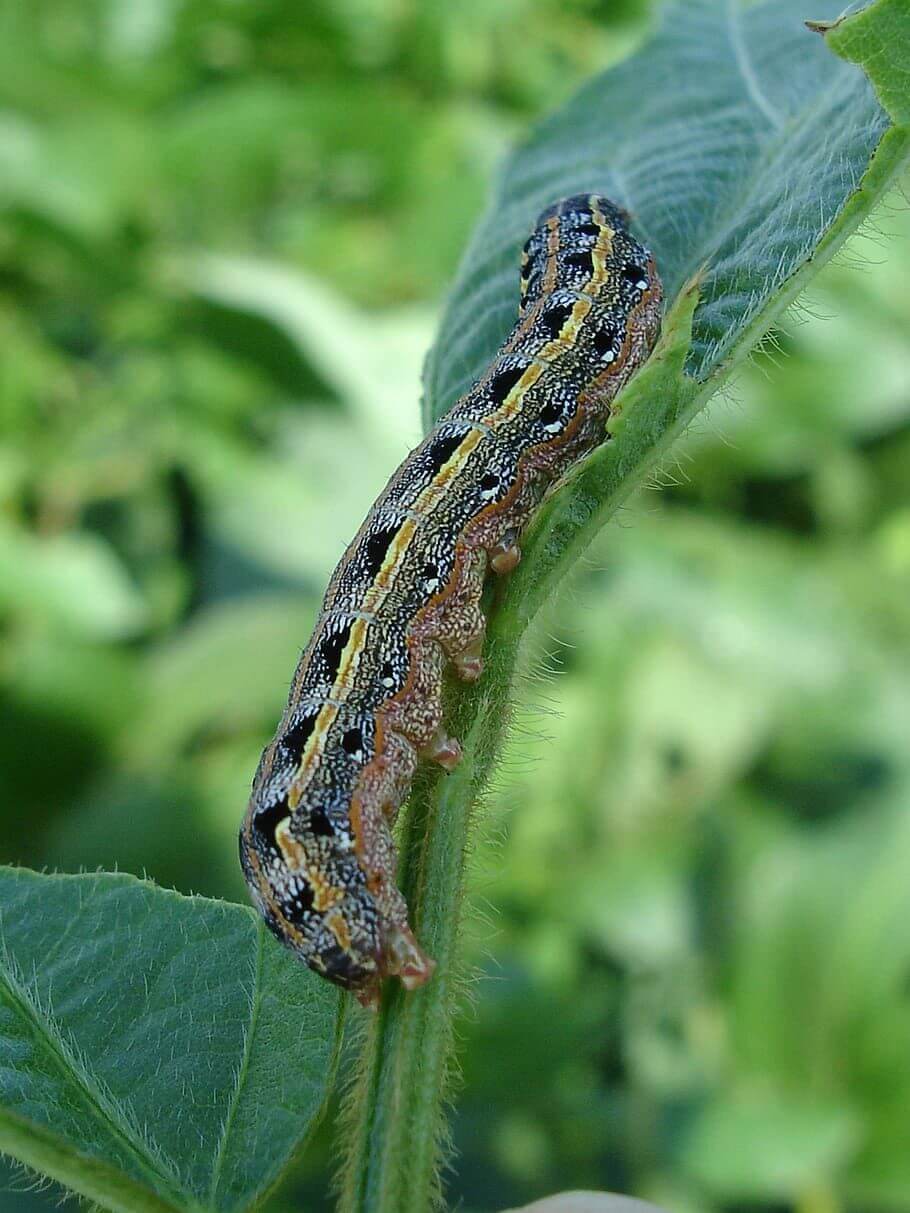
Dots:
{"x": 404, "y": 603}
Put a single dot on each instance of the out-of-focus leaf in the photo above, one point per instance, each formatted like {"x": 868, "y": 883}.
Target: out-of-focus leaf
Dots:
{"x": 259, "y": 638}
{"x": 813, "y": 990}
{"x": 749, "y": 599}
{"x": 760, "y": 1146}
{"x": 97, "y": 170}
{"x": 371, "y": 361}
{"x": 292, "y": 514}
{"x": 72, "y": 580}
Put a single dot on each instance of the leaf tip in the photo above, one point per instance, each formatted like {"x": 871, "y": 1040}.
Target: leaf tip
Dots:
{"x": 693, "y": 284}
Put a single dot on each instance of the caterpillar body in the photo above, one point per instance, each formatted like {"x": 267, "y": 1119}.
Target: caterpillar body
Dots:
{"x": 365, "y": 704}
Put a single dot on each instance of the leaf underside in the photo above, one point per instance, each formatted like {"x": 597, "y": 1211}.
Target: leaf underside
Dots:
{"x": 734, "y": 138}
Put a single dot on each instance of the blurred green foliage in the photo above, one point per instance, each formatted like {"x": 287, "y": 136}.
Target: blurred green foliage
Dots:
{"x": 224, "y": 231}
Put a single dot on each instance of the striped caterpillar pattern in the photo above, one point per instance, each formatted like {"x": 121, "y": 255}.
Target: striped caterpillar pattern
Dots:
{"x": 365, "y": 705}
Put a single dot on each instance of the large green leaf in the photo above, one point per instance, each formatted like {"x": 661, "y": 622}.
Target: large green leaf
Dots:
{"x": 158, "y": 1052}
{"x": 735, "y": 138}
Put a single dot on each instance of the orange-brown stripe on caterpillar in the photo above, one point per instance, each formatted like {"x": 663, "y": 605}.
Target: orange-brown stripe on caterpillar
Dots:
{"x": 365, "y": 704}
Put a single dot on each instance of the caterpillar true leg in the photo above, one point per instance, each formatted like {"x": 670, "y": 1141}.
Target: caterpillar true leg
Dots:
{"x": 506, "y": 554}
{"x": 468, "y": 662}
{"x": 443, "y": 749}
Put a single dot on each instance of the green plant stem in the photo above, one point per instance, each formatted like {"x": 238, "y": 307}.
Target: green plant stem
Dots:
{"x": 393, "y": 1148}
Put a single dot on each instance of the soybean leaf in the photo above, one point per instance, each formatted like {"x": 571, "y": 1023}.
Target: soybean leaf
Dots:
{"x": 735, "y": 139}
{"x": 158, "y": 1052}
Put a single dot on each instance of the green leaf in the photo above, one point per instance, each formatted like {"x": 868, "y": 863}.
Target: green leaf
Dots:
{"x": 75, "y": 581}
{"x": 259, "y": 636}
{"x": 761, "y": 1145}
{"x": 746, "y": 153}
{"x": 817, "y": 1003}
{"x": 734, "y": 138}
{"x": 365, "y": 358}
{"x": 877, "y": 39}
{"x": 158, "y": 1052}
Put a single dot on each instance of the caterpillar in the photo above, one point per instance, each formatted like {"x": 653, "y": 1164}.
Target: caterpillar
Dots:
{"x": 365, "y": 704}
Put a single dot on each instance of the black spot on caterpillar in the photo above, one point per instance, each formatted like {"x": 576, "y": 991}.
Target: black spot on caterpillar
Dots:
{"x": 365, "y": 705}
{"x": 503, "y": 381}
{"x": 555, "y": 316}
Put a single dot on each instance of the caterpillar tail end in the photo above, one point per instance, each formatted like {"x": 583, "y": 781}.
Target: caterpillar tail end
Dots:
{"x": 368, "y": 995}
{"x": 417, "y": 975}
{"x": 403, "y": 958}
{"x": 406, "y": 960}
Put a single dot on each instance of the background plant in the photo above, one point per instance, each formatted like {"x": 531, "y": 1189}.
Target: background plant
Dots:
{"x": 192, "y": 433}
